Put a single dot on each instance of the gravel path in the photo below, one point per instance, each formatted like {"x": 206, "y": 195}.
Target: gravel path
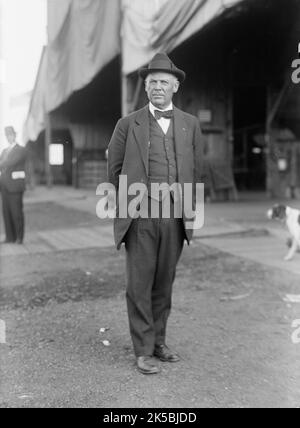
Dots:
{"x": 229, "y": 324}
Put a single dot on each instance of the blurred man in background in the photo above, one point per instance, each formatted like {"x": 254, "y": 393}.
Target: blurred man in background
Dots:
{"x": 12, "y": 180}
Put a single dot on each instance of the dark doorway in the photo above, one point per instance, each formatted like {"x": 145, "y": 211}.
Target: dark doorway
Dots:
{"x": 249, "y": 116}
{"x": 61, "y": 168}
{"x": 62, "y": 171}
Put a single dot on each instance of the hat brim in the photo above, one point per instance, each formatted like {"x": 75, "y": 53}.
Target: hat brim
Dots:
{"x": 143, "y": 72}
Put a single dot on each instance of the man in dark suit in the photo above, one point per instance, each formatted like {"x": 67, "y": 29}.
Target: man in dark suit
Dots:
{"x": 12, "y": 179}
{"x": 157, "y": 144}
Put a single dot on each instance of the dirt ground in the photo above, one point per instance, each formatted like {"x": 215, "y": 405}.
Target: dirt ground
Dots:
{"x": 229, "y": 323}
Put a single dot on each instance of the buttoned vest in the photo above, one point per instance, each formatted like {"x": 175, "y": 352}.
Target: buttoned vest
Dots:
{"x": 162, "y": 156}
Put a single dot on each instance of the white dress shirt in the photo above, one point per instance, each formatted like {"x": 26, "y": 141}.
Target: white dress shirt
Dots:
{"x": 163, "y": 122}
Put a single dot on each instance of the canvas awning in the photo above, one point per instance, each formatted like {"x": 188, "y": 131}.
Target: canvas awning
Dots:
{"x": 153, "y": 26}
{"x": 84, "y": 36}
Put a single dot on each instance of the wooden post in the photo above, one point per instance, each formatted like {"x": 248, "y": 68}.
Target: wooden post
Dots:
{"x": 268, "y": 146}
{"x": 2, "y": 78}
{"x": 271, "y": 113}
{"x": 48, "y": 132}
{"x": 123, "y": 77}
{"x": 75, "y": 168}
{"x": 136, "y": 95}
{"x": 129, "y": 94}
{"x": 124, "y": 95}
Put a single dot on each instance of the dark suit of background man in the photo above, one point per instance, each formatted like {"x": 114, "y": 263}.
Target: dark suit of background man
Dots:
{"x": 12, "y": 179}
{"x": 149, "y": 149}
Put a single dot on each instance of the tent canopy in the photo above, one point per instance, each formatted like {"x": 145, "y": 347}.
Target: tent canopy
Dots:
{"x": 163, "y": 25}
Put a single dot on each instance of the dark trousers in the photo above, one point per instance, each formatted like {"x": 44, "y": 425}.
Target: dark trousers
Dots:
{"x": 153, "y": 248}
{"x": 13, "y": 215}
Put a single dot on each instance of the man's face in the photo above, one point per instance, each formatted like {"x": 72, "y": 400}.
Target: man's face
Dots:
{"x": 10, "y": 136}
{"x": 160, "y": 88}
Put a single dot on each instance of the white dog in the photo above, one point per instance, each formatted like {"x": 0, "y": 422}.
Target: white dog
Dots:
{"x": 291, "y": 217}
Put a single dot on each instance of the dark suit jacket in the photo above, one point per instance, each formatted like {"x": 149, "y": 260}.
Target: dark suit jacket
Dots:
{"x": 128, "y": 154}
{"x": 10, "y": 162}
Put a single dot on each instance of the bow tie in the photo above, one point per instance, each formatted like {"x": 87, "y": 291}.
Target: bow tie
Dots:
{"x": 167, "y": 114}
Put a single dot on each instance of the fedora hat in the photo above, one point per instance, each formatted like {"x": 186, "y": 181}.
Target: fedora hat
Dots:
{"x": 162, "y": 63}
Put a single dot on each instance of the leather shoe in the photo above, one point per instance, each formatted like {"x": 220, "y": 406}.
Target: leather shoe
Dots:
{"x": 165, "y": 354}
{"x": 146, "y": 365}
